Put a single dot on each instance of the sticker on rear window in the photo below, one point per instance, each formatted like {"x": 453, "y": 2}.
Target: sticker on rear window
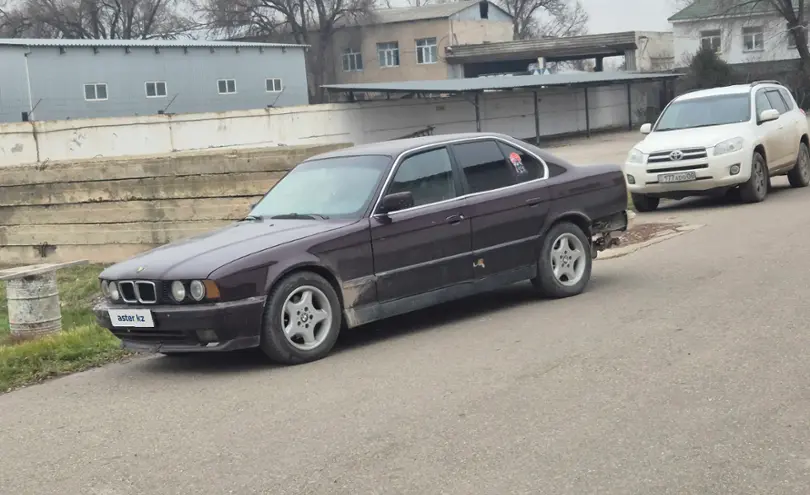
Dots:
{"x": 517, "y": 163}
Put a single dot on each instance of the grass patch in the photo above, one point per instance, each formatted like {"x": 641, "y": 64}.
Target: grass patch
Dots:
{"x": 630, "y": 201}
{"x": 80, "y": 345}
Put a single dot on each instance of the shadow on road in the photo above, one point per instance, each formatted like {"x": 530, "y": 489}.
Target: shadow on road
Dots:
{"x": 398, "y": 327}
{"x": 707, "y": 203}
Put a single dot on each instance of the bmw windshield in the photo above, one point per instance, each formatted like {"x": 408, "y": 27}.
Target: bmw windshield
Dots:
{"x": 705, "y": 112}
{"x": 340, "y": 187}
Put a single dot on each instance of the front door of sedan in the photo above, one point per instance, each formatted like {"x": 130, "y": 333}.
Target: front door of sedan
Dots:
{"x": 508, "y": 206}
{"x": 427, "y": 246}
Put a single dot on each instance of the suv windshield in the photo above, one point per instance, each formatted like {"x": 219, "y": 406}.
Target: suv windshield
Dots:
{"x": 706, "y": 111}
{"x": 331, "y": 187}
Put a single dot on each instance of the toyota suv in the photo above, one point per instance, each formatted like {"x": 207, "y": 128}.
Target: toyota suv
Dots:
{"x": 712, "y": 141}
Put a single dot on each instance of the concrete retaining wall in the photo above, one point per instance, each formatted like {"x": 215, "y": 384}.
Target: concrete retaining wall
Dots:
{"x": 562, "y": 111}
{"x": 109, "y": 210}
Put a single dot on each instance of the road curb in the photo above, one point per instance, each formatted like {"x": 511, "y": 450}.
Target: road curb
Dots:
{"x": 632, "y": 248}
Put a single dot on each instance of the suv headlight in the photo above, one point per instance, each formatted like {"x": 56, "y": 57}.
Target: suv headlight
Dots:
{"x": 635, "y": 156}
{"x": 729, "y": 146}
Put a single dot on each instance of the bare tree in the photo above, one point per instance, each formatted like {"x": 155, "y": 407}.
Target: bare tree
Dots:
{"x": 96, "y": 19}
{"x": 555, "y": 18}
{"x": 310, "y": 22}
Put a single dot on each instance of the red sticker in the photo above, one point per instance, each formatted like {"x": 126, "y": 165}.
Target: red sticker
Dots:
{"x": 514, "y": 158}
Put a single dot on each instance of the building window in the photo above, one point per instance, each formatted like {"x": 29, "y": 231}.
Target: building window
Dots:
{"x": 226, "y": 86}
{"x": 272, "y": 85}
{"x": 352, "y": 61}
{"x": 753, "y": 39}
{"x": 426, "y": 51}
{"x": 156, "y": 89}
{"x": 388, "y": 53}
{"x": 711, "y": 40}
{"x": 95, "y": 92}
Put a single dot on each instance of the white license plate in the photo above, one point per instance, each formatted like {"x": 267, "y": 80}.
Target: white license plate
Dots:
{"x": 131, "y": 318}
{"x": 679, "y": 177}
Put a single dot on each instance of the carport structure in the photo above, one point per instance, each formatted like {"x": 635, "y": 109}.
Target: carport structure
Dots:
{"x": 472, "y": 89}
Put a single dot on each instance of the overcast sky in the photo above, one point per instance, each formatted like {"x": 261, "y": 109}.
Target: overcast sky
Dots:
{"x": 610, "y": 16}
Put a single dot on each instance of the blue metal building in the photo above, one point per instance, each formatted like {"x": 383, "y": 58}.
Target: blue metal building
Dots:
{"x": 72, "y": 79}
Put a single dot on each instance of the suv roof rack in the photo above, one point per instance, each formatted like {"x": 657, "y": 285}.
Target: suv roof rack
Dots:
{"x": 765, "y": 81}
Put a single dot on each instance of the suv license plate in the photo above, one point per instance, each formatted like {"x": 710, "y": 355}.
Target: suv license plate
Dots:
{"x": 679, "y": 177}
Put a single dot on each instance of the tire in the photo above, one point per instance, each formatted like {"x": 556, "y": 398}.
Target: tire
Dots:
{"x": 553, "y": 251}
{"x": 799, "y": 176}
{"x": 644, "y": 203}
{"x": 755, "y": 189}
{"x": 283, "y": 300}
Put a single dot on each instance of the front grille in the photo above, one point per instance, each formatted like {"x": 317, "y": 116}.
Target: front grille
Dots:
{"x": 138, "y": 291}
{"x": 683, "y": 154}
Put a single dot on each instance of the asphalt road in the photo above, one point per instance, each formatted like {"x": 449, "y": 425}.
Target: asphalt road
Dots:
{"x": 683, "y": 369}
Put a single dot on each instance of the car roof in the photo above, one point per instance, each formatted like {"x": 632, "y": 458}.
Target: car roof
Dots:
{"x": 727, "y": 90}
{"x": 398, "y": 146}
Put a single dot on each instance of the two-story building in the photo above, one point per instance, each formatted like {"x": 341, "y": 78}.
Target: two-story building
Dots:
{"x": 753, "y": 32}
{"x": 402, "y": 44}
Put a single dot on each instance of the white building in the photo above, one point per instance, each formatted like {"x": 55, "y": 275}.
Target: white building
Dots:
{"x": 758, "y": 35}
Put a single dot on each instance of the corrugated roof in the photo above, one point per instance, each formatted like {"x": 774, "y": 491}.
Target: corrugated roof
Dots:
{"x": 408, "y": 14}
{"x": 701, "y": 9}
{"x": 478, "y": 84}
{"x": 140, "y": 43}
{"x": 546, "y": 47}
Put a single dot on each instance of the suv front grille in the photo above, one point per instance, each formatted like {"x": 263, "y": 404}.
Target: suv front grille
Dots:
{"x": 681, "y": 155}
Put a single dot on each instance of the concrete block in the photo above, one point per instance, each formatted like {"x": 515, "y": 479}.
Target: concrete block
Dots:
{"x": 112, "y": 253}
{"x": 17, "y": 145}
{"x": 105, "y": 234}
{"x": 204, "y": 186}
{"x": 279, "y": 159}
{"x": 159, "y": 210}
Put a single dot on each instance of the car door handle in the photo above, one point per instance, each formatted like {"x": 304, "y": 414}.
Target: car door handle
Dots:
{"x": 454, "y": 219}
{"x": 534, "y": 201}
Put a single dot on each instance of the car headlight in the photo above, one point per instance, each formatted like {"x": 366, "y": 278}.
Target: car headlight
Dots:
{"x": 105, "y": 288}
{"x": 178, "y": 291}
{"x": 635, "y": 156}
{"x": 729, "y": 146}
{"x": 197, "y": 290}
{"x": 113, "y": 290}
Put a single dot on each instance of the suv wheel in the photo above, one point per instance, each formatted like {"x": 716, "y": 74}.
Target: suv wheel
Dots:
{"x": 755, "y": 188}
{"x": 564, "y": 268}
{"x": 302, "y": 319}
{"x": 644, "y": 203}
{"x": 799, "y": 176}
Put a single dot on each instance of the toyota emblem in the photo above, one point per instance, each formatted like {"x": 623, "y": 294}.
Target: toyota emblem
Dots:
{"x": 676, "y": 155}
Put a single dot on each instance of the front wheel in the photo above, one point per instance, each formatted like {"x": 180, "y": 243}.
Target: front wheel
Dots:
{"x": 799, "y": 176}
{"x": 644, "y": 203}
{"x": 302, "y": 319}
{"x": 755, "y": 189}
{"x": 564, "y": 268}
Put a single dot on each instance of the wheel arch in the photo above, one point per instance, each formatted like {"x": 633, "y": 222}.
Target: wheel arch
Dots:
{"x": 805, "y": 140}
{"x": 760, "y": 148}
{"x": 578, "y": 218}
{"x": 313, "y": 267}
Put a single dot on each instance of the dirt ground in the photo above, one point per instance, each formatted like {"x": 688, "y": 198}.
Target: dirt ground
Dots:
{"x": 646, "y": 231}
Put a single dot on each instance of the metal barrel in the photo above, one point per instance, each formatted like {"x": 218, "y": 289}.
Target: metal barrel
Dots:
{"x": 33, "y": 305}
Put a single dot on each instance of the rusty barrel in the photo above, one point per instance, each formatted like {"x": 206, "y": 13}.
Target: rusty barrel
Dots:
{"x": 33, "y": 305}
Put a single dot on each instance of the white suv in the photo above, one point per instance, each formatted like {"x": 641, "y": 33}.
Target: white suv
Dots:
{"x": 711, "y": 141}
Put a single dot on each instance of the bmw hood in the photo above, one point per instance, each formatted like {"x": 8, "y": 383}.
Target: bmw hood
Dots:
{"x": 198, "y": 256}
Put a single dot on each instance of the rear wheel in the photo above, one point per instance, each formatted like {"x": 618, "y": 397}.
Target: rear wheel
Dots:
{"x": 799, "y": 176}
{"x": 755, "y": 189}
{"x": 644, "y": 203}
{"x": 564, "y": 268}
{"x": 302, "y": 319}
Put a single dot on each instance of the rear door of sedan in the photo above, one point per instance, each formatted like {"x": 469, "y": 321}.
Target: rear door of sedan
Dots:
{"x": 508, "y": 205}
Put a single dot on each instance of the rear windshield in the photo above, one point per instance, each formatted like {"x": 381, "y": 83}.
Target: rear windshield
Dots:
{"x": 706, "y": 111}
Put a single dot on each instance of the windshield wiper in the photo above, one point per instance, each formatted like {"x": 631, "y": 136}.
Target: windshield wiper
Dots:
{"x": 299, "y": 216}
{"x": 251, "y": 218}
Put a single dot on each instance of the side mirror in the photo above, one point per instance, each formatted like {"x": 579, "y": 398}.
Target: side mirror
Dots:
{"x": 646, "y": 128}
{"x": 395, "y": 202}
{"x": 768, "y": 115}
